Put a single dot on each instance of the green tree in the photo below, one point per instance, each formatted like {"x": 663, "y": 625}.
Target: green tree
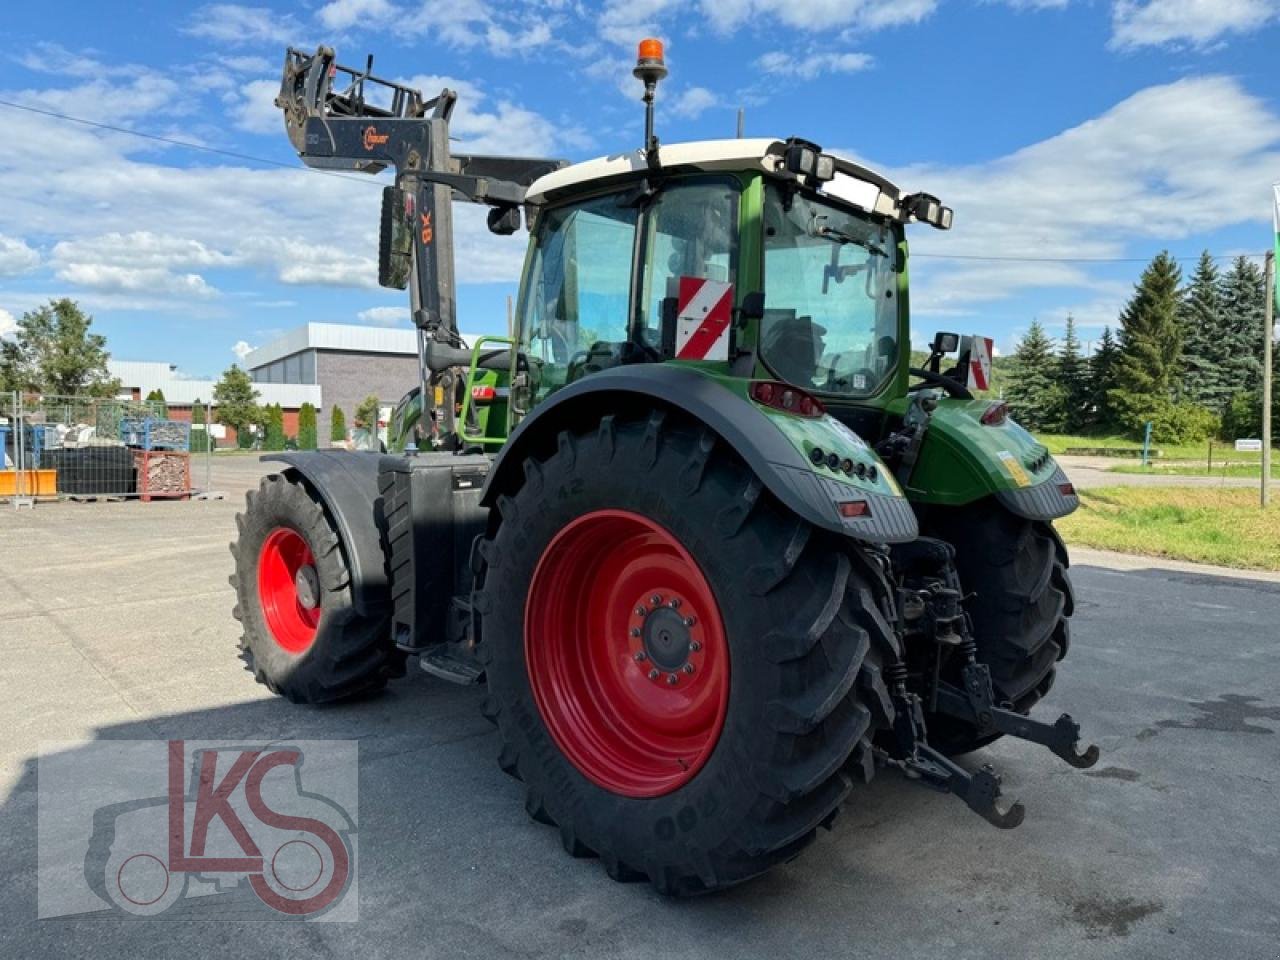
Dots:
{"x": 157, "y": 405}
{"x": 53, "y": 352}
{"x": 1244, "y": 303}
{"x": 200, "y": 439}
{"x": 1150, "y": 335}
{"x": 273, "y": 438}
{"x": 1102, "y": 379}
{"x": 1073, "y": 382}
{"x": 236, "y": 400}
{"x": 1034, "y": 393}
{"x": 367, "y": 413}
{"x": 1204, "y": 335}
{"x": 337, "y": 425}
{"x": 307, "y": 438}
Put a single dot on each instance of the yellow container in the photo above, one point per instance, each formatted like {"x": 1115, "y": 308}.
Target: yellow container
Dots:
{"x": 31, "y": 483}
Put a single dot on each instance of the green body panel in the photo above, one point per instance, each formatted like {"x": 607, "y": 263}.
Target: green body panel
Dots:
{"x": 806, "y": 434}
{"x": 963, "y": 459}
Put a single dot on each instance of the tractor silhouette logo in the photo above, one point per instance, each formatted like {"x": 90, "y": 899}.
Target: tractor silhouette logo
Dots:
{"x": 241, "y": 817}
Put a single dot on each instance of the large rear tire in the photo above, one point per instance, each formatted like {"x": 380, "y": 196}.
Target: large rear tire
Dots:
{"x": 1020, "y": 605}
{"x": 696, "y": 744}
{"x": 302, "y": 636}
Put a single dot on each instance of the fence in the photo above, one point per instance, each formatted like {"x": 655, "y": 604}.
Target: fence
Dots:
{"x": 94, "y": 448}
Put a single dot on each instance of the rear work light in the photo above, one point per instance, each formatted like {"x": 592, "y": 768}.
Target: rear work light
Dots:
{"x": 852, "y": 509}
{"x": 995, "y": 414}
{"x": 788, "y": 399}
{"x": 483, "y": 394}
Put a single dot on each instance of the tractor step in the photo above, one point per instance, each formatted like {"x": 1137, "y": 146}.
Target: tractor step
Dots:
{"x": 451, "y": 662}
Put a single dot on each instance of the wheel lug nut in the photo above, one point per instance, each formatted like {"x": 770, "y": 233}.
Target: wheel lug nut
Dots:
{"x": 672, "y": 679}
{"x": 639, "y": 656}
{"x": 635, "y": 632}
{"x": 690, "y": 621}
{"x": 674, "y": 603}
{"x": 694, "y": 646}
{"x": 653, "y": 674}
{"x": 688, "y": 668}
{"x": 641, "y": 611}
{"x": 656, "y": 599}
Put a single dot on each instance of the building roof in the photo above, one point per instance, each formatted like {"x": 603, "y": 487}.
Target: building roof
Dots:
{"x": 854, "y": 183}
{"x": 347, "y": 337}
{"x": 145, "y": 376}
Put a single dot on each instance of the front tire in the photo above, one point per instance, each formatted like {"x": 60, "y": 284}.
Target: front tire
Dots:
{"x": 302, "y": 636}
{"x": 706, "y": 780}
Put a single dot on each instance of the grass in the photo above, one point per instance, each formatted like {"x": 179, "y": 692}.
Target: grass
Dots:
{"x": 1205, "y": 525}
{"x": 1059, "y": 443}
{"x": 1220, "y": 469}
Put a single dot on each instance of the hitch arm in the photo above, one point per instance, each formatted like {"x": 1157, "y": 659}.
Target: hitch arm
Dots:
{"x": 980, "y": 791}
{"x": 976, "y": 704}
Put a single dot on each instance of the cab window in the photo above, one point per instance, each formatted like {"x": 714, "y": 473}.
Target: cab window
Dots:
{"x": 575, "y": 304}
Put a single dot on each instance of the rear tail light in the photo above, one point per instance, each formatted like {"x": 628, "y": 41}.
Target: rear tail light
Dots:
{"x": 483, "y": 394}
{"x": 784, "y": 397}
{"x": 995, "y": 414}
{"x": 1067, "y": 489}
{"x": 852, "y": 509}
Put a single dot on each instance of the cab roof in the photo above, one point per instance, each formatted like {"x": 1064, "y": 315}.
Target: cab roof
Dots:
{"x": 853, "y": 182}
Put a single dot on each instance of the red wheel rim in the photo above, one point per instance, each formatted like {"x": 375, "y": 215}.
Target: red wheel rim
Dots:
{"x": 626, "y": 653}
{"x": 292, "y": 615}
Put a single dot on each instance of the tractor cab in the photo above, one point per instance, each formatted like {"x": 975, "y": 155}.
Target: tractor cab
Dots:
{"x": 720, "y": 253}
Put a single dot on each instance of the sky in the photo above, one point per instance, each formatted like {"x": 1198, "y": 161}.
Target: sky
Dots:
{"x": 1060, "y": 131}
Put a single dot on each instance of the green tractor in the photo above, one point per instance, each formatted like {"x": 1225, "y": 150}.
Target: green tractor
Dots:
{"x": 716, "y": 551}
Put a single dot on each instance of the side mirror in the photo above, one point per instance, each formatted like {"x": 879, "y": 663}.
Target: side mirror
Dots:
{"x": 395, "y": 243}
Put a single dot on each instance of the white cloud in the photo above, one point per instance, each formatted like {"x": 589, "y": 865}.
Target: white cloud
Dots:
{"x": 811, "y": 65}
{"x": 340, "y": 14}
{"x": 1197, "y": 23}
{"x": 235, "y": 25}
{"x": 504, "y": 128}
{"x": 151, "y": 281}
{"x": 692, "y": 102}
{"x": 242, "y": 349}
{"x": 16, "y": 256}
{"x": 384, "y": 316}
{"x": 8, "y": 325}
{"x": 255, "y": 110}
{"x": 1034, "y": 4}
{"x": 1110, "y": 187}
{"x": 815, "y": 15}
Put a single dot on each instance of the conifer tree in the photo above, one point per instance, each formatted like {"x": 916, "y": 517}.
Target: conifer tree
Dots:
{"x": 1034, "y": 393}
{"x": 1102, "y": 379}
{"x": 1073, "y": 379}
{"x": 1204, "y": 339}
{"x": 1150, "y": 336}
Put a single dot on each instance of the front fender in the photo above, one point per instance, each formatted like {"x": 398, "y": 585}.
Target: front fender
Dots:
{"x": 963, "y": 460}
{"x": 770, "y": 442}
{"x": 346, "y": 483}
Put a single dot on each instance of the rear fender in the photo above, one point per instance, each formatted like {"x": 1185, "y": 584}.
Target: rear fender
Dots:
{"x": 771, "y": 444}
{"x": 346, "y": 483}
{"x": 964, "y": 460}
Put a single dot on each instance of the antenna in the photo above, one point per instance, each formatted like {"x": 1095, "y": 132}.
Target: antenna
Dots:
{"x": 742, "y": 122}
{"x": 650, "y": 68}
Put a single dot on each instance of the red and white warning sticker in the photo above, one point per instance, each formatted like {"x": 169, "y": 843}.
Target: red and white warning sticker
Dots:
{"x": 704, "y": 313}
{"x": 978, "y": 375}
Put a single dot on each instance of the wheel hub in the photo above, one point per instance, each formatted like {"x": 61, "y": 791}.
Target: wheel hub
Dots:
{"x": 627, "y": 654}
{"x": 289, "y": 589}
{"x": 307, "y": 583}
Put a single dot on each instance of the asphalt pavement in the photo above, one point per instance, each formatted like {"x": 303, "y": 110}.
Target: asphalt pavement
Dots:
{"x": 116, "y": 624}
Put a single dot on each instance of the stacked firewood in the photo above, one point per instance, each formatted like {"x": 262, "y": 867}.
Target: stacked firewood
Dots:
{"x": 163, "y": 473}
